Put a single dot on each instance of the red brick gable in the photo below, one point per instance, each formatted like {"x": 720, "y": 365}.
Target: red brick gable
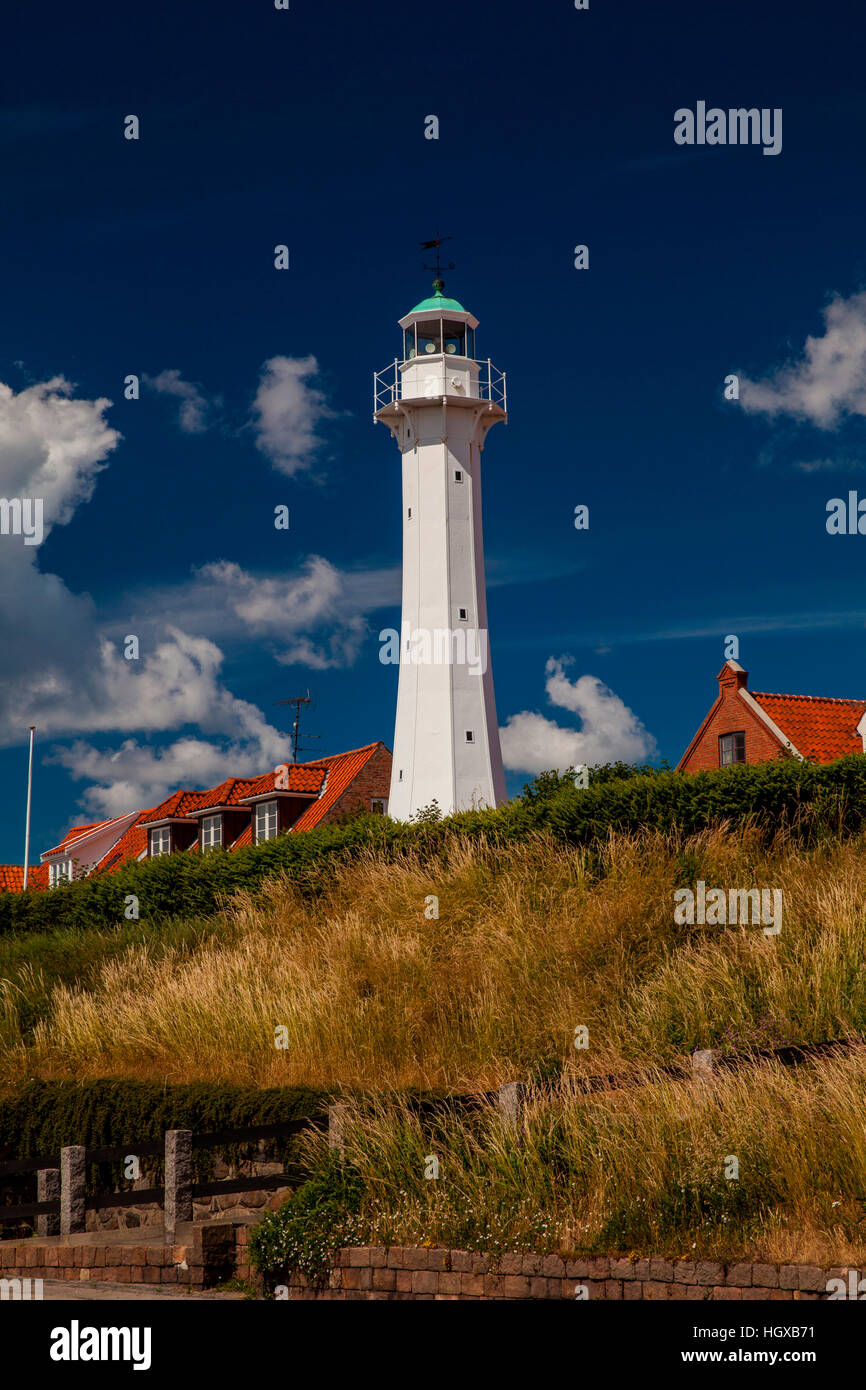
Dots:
{"x": 812, "y": 726}
{"x": 353, "y": 780}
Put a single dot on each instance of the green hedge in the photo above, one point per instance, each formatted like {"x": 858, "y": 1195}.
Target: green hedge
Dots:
{"x": 811, "y": 798}
{"x": 40, "y": 1117}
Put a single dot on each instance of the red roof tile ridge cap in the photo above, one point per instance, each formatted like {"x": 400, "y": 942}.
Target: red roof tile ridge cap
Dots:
{"x": 332, "y": 757}
{"x": 822, "y": 699}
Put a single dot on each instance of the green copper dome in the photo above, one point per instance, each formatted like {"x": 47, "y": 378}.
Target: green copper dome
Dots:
{"x": 438, "y": 301}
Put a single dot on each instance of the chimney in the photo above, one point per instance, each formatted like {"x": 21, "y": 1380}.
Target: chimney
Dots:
{"x": 732, "y": 677}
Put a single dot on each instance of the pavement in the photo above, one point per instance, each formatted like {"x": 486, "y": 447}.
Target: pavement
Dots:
{"x": 92, "y": 1291}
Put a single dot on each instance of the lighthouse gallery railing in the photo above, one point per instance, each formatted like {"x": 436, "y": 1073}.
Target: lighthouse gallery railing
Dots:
{"x": 387, "y": 383}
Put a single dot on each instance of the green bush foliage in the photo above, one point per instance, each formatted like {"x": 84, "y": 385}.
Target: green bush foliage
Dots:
{"x": 40, "y": 1117}
{"x": 306, "y": 1232}
{"x": 811, "y": 799}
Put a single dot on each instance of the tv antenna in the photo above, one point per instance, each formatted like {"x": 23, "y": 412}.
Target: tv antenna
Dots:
{"x": 298, "y": 701}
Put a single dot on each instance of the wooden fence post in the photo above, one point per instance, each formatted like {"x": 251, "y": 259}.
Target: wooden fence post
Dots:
{"x": 48, "y": 1190}
{"x": 73, "y": 1172}
{"x": 178, "y": 1180}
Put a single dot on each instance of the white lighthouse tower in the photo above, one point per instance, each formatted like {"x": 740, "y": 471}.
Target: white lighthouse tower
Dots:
{"x": 439, "y": 402}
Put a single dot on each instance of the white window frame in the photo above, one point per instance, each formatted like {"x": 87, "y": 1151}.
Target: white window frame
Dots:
{"x": 212, "y": 832}
{"x": 267, "y": 811}
{"x": 59, "y": 871}
{"x": 159, "y": 841}
{"x": 380, "y": 802}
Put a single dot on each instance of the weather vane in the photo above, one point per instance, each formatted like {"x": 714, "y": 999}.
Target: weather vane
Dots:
{"x": 435, "y": 245}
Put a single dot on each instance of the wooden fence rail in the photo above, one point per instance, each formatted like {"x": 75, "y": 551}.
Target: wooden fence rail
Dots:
{"x": 61, "y": 1178}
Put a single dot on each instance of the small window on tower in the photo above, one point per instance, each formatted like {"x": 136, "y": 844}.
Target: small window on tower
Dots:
{"x": 400, "y": 775}
{"x": 458, "y": 476}
{"x": 470, "y": 737}
{"x": 462, "y": 612}
{"x": 410, "y": 513}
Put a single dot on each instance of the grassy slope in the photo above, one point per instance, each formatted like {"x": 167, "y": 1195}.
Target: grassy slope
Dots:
{"x": 530, "y": 941}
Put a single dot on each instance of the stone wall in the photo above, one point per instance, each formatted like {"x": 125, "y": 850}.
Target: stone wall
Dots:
{"x": 209, "y": 1254}
{"x": 374, "y": 1272}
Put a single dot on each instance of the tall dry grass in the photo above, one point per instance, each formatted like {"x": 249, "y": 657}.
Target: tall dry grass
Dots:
{"x": 647, "y": 1170}
{"x": 529, "y": 942}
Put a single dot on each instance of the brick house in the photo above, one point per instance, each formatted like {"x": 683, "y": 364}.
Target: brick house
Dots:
{"x": 240, "y": 811}
{"x": 746, "y": 726}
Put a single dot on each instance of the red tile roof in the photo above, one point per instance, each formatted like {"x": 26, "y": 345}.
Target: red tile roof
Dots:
{"x": 303, "y": 777}
{"x": 342, "y": 770}
{"x": 132, "y": 844}
{"x": 175, "y": 805}
{"x": 820, "y": 728}
{"x": 12, "y": 877}
{"x": 324, "y": 780}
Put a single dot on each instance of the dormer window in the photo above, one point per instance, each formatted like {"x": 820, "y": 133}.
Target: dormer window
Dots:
{"x": 212, "y": 832}
{"x": 266, "y": 821}
{"x": 60, "y": 872}
{"x": 160, "y": 841}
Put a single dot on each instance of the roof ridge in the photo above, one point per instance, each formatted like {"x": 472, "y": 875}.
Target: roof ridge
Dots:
{"x": 332, "y": 757}
{"x": 823, "y": 699}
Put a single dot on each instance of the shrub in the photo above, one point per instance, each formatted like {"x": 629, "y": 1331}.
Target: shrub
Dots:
{"x": 305, "y": 1233}
{"x": 813, "y": 800}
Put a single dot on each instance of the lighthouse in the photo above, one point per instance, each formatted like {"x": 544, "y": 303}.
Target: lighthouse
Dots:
{"x": 439, "y": 401}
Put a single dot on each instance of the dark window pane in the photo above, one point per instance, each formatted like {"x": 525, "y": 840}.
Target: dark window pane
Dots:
{"x": 732, "y": 748}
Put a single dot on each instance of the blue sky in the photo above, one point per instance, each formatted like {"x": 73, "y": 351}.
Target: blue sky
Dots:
{"x": 155, "y": 257}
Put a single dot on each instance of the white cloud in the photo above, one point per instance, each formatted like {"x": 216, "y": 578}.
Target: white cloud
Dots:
{"x": 135, "y": 777}
{"x": 194, "y": 405}
{"x": 179, "y": 722}
{"x": 52, "y": 446}
{"x": 58, "y": 671}
{"x": 288, "y": 609}
{"x": 287, "y": 412}
{"x": 828, "y": 381}
{"x": 609, "y": 731}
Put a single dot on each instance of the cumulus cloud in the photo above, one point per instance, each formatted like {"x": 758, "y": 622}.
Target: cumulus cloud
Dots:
{"x": 58, "y": 670}
{"x": 136, "y": 776}
{"x": 175, "y": 685}
{"x": 828, "y": 380}
{"x": 287, "y": 412}
{"x": 52, "y": 446}
{"x": 609, "y": 730}
{"x": 194, "y": 405}
{"x": 289, "y": 609}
